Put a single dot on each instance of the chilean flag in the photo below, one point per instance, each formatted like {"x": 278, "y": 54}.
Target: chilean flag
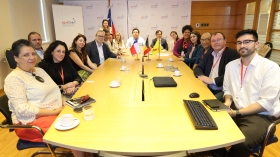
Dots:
{"x": 110, "y": 21}
{"x": 135, "y": 48}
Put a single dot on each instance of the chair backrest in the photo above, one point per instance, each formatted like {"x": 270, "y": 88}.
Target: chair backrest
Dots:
{"x": 270, "y": 51}
{"x": 10, "y": 58}
{"x": 4, "y": 109}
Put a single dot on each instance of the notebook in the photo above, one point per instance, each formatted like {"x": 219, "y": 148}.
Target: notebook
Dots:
{"x": 79, "y": 102}
{"x": 164, "y": 82}
{"x": 215, "y": 105}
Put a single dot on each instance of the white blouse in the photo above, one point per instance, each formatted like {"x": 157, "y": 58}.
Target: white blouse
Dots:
{"x": 27, "y": 95}
{"x": 116, "y": 45}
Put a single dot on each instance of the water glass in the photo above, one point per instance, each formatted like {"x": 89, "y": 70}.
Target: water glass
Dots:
{"x": 88, "y": 112}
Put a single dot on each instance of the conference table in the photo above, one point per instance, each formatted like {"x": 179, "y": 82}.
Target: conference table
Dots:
{"x": 138, "y": 118}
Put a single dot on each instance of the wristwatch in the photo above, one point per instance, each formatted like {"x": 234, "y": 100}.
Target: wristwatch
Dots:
{"x": 238, "y": 114}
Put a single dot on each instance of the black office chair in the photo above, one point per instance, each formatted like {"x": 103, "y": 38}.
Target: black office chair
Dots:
{"x": 259, "y": 149}
{"x": 10, "y": 59}
{"x": 270, "y": 51}
{"x": 22, "y": 144}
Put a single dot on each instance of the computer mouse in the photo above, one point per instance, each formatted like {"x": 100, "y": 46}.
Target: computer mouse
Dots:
{"x": 194, "y": 95}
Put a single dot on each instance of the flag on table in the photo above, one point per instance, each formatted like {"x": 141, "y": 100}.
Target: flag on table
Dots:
{"x": 110, "y": 22}
{"x": 135, "y": 48}
{"x": 156, "y": 47}
{"x": 147, "y": 48}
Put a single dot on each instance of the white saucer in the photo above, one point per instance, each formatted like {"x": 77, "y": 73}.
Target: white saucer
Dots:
{"x": 177, "y": 75}
{"x": 58, "y": 125}
{"x": 159, "y": 67}
{"x": 114, "y": 85}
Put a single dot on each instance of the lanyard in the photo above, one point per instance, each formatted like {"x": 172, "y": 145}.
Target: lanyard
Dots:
{"x": 218, "y": 60}
{"x": 241, "y": 74}
{"x": 61, "y": 73}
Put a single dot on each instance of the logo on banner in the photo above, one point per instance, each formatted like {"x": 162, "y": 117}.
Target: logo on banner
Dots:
{"x": 69, "y": 23}
{"x": 154, "y": 27}
{"x": 175, "y": 5}
{"x": 89, "y": 6}
{"x": 91, "y": 28}
{"x": 185, "y": 17}
{"x": 174, "y": 27}
{"x": 154, "y": 5}
{"x": 100, "y": 17}
{"x": 164, "y": 16}
{"x": 120, "y": 17}
{"x": 133, "y": 6}
{"x": 144, "y": 17}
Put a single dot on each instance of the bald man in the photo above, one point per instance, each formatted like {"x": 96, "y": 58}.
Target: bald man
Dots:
{"x": 206, "y": 44}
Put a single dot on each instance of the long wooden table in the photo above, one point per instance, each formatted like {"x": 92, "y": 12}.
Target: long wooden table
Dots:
{"x": 126, "y": 124}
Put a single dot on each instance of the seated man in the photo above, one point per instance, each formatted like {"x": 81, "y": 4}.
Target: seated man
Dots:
{"x": 98, "y": 51}
{"x": 106, "y": 39}
{"x": 163, "y": 42}
{"x": 252, "y": 90}
{"x": 36, "y": 41}
{"x": 135, "y": 39}
{"x": 206, "y": 44}
{"x": 212, "y": 67}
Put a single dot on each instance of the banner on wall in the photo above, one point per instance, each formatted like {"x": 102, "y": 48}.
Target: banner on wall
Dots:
{"x": 68, "y": 22}
{"x": 95, "y": 11}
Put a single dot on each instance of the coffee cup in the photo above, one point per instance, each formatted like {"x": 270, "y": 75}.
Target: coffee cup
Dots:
{"x": 177, "y": 73}
{"x": 123, "y": 67}
{"x": 159, "y": 65}
{"x": 170, "y": 59}
{"x": 67, "y": 120}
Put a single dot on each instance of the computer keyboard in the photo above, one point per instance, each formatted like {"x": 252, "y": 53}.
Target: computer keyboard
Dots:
{"x": 201, "y": 118}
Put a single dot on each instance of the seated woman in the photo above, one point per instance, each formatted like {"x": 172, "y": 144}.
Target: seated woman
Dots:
{"x": 182, "y": 45}
{"x": 57, "y": 64}
{"x": 175, "y": 38}
{"x": 191, "y": 54}
{"x": 118, "y": 43}
{"x": 80, "y": 59}
{"x": 34, "y": 99}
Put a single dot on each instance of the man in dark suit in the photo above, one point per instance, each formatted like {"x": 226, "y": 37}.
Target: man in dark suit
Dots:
{"x": 98, "y": 51}
{"x": 211, "y": 69}
{"x": 163, "y": 42}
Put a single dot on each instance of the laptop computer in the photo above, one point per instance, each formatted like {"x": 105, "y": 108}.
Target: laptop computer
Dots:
{"x": 164, "y": 81}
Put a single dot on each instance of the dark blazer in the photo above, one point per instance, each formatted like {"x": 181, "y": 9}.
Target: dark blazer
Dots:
{"x": 205, "y": 66}
{"x": 94, "y": 55}
{"x": 163, "y": 43}
{"x": 70, "y": 74}
{"x": 191, "y": 60}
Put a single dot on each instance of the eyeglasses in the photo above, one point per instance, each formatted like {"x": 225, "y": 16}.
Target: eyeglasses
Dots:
{"x": 100, "y": 36}
{"x": 245, "y": 42}
{"x": 218, "y": 40}
{"x": 202, "y": 40}
{"x": 36, "y": 39}
{"x": 38, "y": 78}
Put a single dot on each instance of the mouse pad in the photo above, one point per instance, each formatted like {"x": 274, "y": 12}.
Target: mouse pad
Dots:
{"x": 164, "y": 82}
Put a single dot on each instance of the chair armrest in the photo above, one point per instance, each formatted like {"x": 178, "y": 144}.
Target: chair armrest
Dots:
{"x": 22, "y": 127}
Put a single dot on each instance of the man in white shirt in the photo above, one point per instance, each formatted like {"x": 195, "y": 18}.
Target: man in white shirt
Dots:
{"x": 251, "y": 89}
{"x": 36, "y": 41}
{"x": 135, "y": 39}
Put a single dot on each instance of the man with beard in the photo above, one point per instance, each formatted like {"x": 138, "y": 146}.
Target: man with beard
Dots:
{"x": 251, "y": 89}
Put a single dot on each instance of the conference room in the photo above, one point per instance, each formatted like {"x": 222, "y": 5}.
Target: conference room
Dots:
{"x": 138, "y": 118}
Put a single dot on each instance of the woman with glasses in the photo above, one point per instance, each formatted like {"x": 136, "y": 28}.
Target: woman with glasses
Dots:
{"x": 118, "y": 43}
{"x": 175, "y": 38}
{"x": 191, "y": 54}
{"x": 80, "y": 59}
{"x": 34, "y": 98}
{"x": 181, "y": 46}
{"x": 57, "y": 64}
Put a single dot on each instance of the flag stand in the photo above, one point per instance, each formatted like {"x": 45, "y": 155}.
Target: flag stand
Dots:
{"x": 159, "y": 59}
{"x": 137, "y": 59}
{"x": 148, "y": 59}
